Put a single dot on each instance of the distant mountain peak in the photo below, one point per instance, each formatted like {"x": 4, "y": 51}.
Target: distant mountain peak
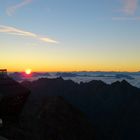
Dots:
{"x": 121, "y": 83}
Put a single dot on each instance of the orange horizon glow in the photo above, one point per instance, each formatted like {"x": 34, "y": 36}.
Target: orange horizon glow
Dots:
{"x": 28, "y": 71}
{"x": 70, "y": 44}
{"x": 69, "y": 67}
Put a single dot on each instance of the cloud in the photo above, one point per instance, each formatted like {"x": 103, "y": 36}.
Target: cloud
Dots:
{"x": 129, "y": 7}
{"x": 48, "y": 40}
{"x": 129, "y": 10}
{"x": 15, "y": 31}
{"x": 19, "y": 32}
{"x": 11, "y": 10}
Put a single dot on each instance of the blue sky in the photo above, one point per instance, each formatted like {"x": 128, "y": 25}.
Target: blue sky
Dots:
{"x": 67, "y": 35}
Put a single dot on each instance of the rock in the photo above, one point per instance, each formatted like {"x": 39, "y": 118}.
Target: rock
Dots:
{"x": 56, "y": 119}
{"x": 112, "y": 109}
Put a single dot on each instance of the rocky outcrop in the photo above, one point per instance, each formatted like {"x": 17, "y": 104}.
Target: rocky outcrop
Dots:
{"x": 56, "y": 119}
{"x": 53, "y": 111}
{"x": 112, "y": 109}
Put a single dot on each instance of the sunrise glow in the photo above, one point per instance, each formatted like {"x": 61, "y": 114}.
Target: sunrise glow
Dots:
{"x": 99, "y": 38}
{"x": 28, "y": 71}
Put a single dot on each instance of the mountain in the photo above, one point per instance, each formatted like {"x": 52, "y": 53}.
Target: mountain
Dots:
{"x": 112, "y": 109}
{"x": 56, "y": 119}
{"x": 20, "y": 76}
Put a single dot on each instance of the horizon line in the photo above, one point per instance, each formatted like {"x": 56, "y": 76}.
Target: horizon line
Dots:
{"x": 77, "y": 71}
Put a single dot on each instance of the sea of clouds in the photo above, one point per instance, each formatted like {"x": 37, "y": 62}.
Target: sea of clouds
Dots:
{"x": 108, "y": 77}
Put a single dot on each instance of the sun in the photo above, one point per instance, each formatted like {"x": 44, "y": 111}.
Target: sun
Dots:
{"x": 28, "y": 71}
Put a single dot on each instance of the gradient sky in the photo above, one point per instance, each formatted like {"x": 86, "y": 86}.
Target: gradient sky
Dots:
{"x": 70, "y": 35}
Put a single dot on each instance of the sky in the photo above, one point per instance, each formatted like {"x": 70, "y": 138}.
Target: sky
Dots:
{"x": 70, "y": 35}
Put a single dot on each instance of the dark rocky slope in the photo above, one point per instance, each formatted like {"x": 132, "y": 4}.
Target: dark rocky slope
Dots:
{"x": 112, "y": 109}
{"x": 56, "y": 119}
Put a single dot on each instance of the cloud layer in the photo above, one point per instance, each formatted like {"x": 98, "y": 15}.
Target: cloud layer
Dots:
{"x": 128, "y": 9}
{"x": 126, "y": 18}
{"x": 19, "y": 32}
{"x": 11, "y": 10}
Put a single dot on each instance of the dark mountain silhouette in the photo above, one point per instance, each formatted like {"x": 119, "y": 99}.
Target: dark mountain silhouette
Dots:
{"x": 55, "y": 119}
{"x": 60, "y": 109}
{"x": 20, "y": 76}
{"x": 39, "y": 74}
{"x": 16, "y": 75}
{"x": 112, "y": 109}
{"x": 12, "y": 98}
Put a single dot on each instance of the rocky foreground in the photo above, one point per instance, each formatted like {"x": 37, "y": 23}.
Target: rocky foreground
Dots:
{"x": 55, "y": 120}
{"x": 60, "y": 109}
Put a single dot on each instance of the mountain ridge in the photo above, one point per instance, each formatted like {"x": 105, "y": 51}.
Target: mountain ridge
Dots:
{"x": 105, "y": 105}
